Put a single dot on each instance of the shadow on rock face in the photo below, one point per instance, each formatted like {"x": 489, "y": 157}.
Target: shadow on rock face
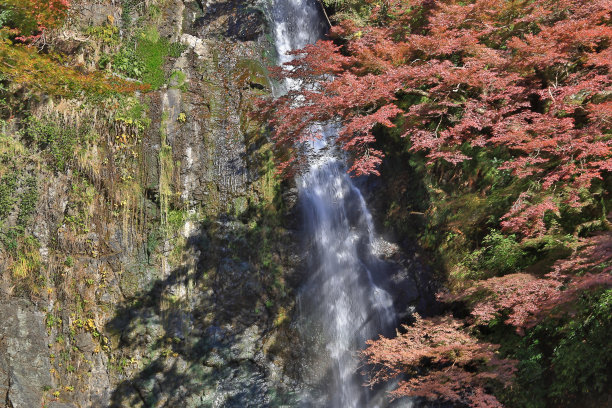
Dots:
{"x": 234, "y": 19}
{"x": 205, "y": 335}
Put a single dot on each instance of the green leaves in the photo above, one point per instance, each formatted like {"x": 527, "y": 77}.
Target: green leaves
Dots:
{"x": 58, "y": 141}
{"x": 144, "y": 55}
{"x": 581, "y": 359}
{"x": 566, "y": 360}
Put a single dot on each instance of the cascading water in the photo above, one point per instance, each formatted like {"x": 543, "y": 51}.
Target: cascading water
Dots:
{"x": 340, "y": 301}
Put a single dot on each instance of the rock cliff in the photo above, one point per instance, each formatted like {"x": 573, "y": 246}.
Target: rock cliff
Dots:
{"x": 146, "y": 258}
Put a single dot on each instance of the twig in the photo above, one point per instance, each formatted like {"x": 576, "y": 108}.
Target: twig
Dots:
{"x": 324, "y": 12}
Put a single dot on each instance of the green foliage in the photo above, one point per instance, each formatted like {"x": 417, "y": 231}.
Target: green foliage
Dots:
{"x": 176, "y": 49}
{"x": 69, "y": 261}
{"x": 153, "y": 240}
{"x": 51, "y": 320}
{"x": 26, "y": 200}
{"x": 582, "y": 359}
{"x": 127, "y": 63}
{"x": 177, "y": 80}
{"x": 23, "y": 67}
{"x": 56, "y": 139}
{"x": 133, "y": 112}
{"x": 29, "y": 198}
{"x": 25, "y": 270}
{"x": 108, "y": 34}
{"x": 152, "y": 51}
{"x": 8, "y": 185}
{"x": 9, "y": 240}
{"x": 355, "y": 10}
{"x": 500, "y": 254}
{"x": 128, "y": 7}
{"x": 144, "y": 55}
{"x": 81, "y": 196}
{"x": 176, "y": 219}
{"x": 22, "y": 19}
{"x": 566, "y": 361}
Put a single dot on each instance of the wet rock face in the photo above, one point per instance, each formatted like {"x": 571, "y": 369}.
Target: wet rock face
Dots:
{"x": 149, "y": 312}
{"x": 24, "y": 361}
{"x": 156, "y": 313}
{"x": 247, "y": 25}
{"x": 240, "y": 20}
{"x": 409, "y": 277}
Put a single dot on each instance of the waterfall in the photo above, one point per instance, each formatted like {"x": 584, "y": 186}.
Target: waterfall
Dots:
{"x": 340, "y": 302}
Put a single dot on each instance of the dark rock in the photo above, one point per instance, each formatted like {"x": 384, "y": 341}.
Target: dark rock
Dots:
{"x": 84, "y": 342}
{"x": 234, "y": 19}
{"x": 24, "y": 362}
{"x": 247, "y": 25}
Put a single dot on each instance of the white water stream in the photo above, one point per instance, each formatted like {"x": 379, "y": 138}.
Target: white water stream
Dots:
{"x": 341, "y": 294}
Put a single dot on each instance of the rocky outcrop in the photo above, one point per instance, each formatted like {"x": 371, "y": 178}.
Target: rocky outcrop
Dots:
{"x": 160, "y": 266}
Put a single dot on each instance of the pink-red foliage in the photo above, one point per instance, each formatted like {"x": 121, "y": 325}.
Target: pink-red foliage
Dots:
{"x": 527, "y": 299}
{"x": 28, "y": 19}
{"x": 529, "y": 76}
{"x": 451, "y": 365}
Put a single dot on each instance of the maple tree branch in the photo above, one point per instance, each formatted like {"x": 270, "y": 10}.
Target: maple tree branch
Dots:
{"x": 418, "y": 92}
{"x": 324, "y": 12}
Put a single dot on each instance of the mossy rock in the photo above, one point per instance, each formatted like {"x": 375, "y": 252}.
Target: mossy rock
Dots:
{"x": 252, "y": 73}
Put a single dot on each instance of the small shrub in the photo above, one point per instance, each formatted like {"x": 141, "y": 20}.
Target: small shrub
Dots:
{"x": 500, "y": 254}
{"x": 8, "y": 185}
{"x": 29, "y": 198}
{"x": 503, "y": 254}
{"x": 69, "y": 262}
{"x": 108, "y": 34}
{"x": 55, "y": 139}
{"x": 28, "y": 262}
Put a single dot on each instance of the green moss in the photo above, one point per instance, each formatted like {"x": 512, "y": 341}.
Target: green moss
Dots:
{"x": 251, "y": 72}
{"x": 178, "y": 80}
{"x": 152, "y": 54}
{"x": 8, "y": 185}
{"x": 57, "y": 140}
{"x": 143, "y": 57}
{"x": 176, "y": 49}
{"x": 176, "y": 219}
{"x": 152, "y": 50}
{"x": 28, "y": 201}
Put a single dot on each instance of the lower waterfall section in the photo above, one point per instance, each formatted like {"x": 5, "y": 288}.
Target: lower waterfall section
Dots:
{"x": 341, "y": 296}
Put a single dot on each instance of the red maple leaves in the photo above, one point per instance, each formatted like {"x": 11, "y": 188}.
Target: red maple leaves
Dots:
{"x": 440, "y": 360}
{"x": 533, "y": 77}
{"x": 28, "y": 19}
{"x": 527, "y": 299}
{"x": 446, "y": 363}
